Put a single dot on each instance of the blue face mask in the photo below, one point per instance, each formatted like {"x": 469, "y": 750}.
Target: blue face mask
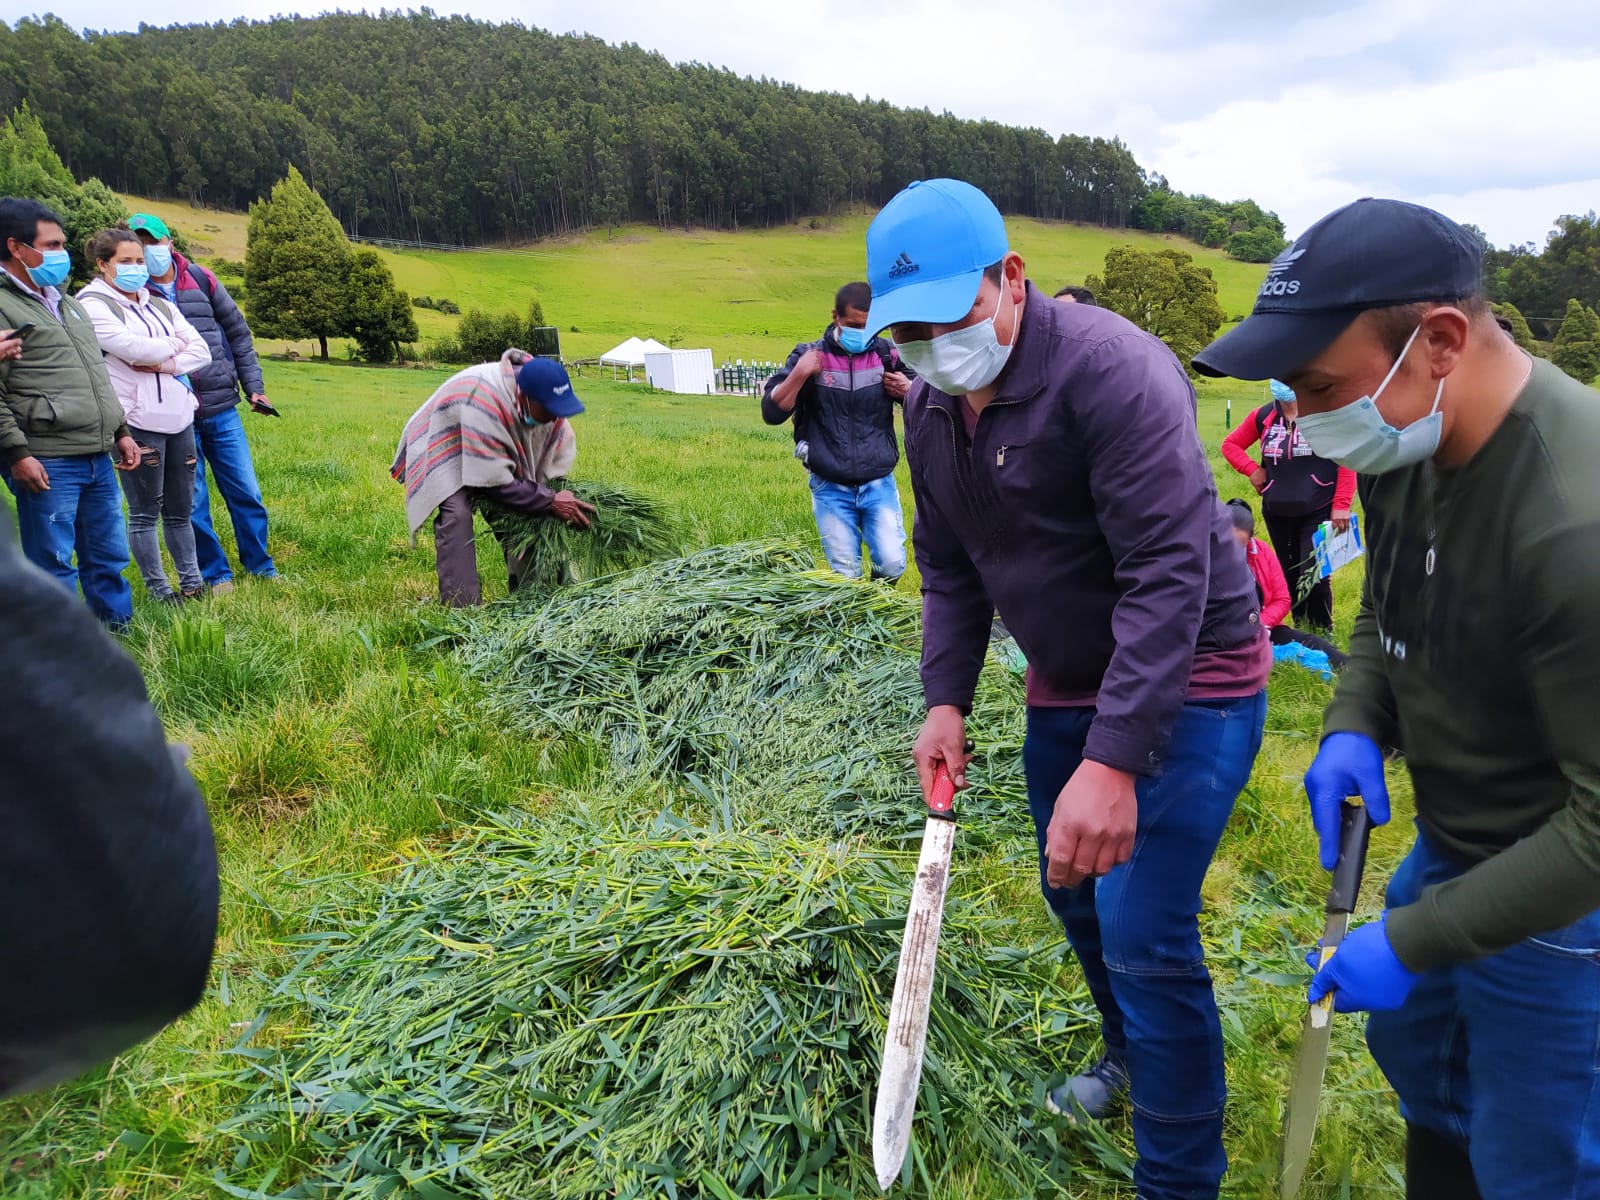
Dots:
{"x": 132, "y": 276}
{"x": 855, "y": 341}
{"x": 1358, "y": 437}
{"x": 158, "y": 259}
{"x": 53, "y": 271}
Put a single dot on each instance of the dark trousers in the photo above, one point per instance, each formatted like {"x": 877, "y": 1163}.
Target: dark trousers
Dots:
{"x": 1291, "y": 542}
{"x": 456, "y": 553}
{"x": 1336, "y": 657}
{"x": 1136, "y": 931}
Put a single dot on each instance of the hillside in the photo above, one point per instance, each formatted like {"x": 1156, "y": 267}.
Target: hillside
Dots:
{"x": 465, "y": 132}
{"x": 745, "y": 295}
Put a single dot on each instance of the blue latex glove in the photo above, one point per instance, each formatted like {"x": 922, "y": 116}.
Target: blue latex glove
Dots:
{"x": 1348, "y": 764}
{"x": 1364, "y": 973}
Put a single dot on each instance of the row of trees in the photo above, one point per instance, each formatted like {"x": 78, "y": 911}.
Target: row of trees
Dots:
{"x": 459, "y": 131}
{"x": 29, "y": 166}
{"x": 1540, "y": 283}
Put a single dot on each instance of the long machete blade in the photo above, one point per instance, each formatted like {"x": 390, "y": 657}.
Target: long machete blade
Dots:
{"x": 907, "y": 1035}
{"x": 1305, "y": 1092}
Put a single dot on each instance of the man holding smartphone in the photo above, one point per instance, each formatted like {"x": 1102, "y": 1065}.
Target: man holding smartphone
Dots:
{"x": 61, "y": 424}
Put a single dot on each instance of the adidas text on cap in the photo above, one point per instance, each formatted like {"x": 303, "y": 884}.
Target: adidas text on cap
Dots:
{"x": 1370, "y": 254}
{"x": 545, "y": 380}
{"x": 927, "y": 250}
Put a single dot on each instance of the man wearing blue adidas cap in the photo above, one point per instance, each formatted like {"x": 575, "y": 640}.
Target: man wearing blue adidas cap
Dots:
{"x": 497, "y": 432}
{"x": 1475, "y": 652}
{"x": 1060, "y": 481}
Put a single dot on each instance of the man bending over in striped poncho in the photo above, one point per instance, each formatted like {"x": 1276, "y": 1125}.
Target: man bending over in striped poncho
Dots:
{"x": 498, "y": 431}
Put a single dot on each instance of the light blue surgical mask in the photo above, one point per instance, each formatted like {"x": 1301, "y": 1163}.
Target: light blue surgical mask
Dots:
{"x": 53, "y": 271}
{"x": 855, "y": 341}
{"x": 132, "y": 276}
{"x": 1357, "y": 436}
{"x": 158, "y": 259}
{"x": 963, "y": 360}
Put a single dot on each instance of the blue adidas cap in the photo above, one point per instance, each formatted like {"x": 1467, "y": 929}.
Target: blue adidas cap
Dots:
{"x": 545, "y": 380}
{"x": 927, "y": 250}
{"x": 1370, "y": 254}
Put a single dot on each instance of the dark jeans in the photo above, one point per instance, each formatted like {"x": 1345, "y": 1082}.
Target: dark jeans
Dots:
{"x": 1336, "y": 657}
{"x": 1136, "y": 931}
{"x": 1291, "y": 542}
{"x": 80, "y": 515}
{"x": 1502, "y": 1056}
{"x": 222, "y": 446}
{"x": 161, "y": 488}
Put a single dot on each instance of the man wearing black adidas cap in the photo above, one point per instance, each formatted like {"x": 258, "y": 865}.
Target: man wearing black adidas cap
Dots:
{"x": 1476, "y": 651}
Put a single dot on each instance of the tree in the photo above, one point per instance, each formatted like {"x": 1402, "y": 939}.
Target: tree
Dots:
{"x": 29, "y": 166}
{"x": 1578, "y": 343}
{"x": 379, "y": 315}
{"x": 1520, "y": 333}
{"x": 1256, "y": 245}
{"x": 1163, "y": 291}
{"x": 484, "y": 336}
{"x": 296, "y": 265}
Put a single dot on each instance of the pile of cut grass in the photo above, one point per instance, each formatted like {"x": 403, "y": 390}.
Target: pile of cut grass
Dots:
{"x": 548, "y": 1009}
{"x": 769, "y": 692}
{"x": 628, "y": 529}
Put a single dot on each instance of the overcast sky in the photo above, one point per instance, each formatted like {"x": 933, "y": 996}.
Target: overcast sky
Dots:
{"x": 1484, "y": 109}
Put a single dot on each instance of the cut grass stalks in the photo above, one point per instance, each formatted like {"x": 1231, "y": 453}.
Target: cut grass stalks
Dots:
{"x": 766, "y": 691}
{"x": 548, "y": 1010}
{"x": 626, "y": 530}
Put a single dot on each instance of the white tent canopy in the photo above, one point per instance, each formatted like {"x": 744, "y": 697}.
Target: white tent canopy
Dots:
{"x": 629, "y": 354}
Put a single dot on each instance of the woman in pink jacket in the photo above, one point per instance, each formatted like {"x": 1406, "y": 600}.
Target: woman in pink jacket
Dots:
{"x": 149, "y": 348}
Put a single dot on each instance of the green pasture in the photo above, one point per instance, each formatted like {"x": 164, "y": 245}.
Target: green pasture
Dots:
{"x": 337, "y": 735}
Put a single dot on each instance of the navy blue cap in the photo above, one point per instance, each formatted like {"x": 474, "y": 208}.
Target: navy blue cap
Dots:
{"x": 1370, "y": 254}
{"x": 927, "y": 250}
{"x": 545, "y": 380}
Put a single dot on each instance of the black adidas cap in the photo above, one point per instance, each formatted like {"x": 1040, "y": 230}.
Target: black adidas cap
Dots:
{"x": 1370, "y": 254}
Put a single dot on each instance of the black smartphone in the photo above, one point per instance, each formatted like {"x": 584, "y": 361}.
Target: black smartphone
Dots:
{"x": 22, "y": 331}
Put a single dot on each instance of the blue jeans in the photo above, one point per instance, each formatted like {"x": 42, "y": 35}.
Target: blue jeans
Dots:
{"x": 847, "y": 516}
{"x": 224, "y": 448}
{"x": 1136, "y": 930}
{"x": 1502, "y": 1055}
{"x": 82, "y": 514}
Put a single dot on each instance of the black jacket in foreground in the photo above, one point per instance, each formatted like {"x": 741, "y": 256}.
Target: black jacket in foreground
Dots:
{"x": 108, "y": 870}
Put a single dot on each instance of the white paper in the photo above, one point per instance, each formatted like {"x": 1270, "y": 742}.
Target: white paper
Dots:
{"x": 1333, "y": 549}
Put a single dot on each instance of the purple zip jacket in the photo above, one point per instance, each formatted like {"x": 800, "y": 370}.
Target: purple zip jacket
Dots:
{"x": 1083, "y": 511}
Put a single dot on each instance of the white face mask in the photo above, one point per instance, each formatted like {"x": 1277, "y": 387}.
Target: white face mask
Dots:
{"x": 1357, "y": 436}
{"x": 963, "y": 360}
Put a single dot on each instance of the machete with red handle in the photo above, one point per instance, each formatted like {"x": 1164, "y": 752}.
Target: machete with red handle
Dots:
{"x": 907, "y": 1034}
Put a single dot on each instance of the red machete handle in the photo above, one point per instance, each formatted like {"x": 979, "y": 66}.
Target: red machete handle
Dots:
{"x": 942, "y": 802}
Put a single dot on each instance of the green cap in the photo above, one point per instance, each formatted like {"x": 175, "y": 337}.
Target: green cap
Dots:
{"x": 145, "y": 223}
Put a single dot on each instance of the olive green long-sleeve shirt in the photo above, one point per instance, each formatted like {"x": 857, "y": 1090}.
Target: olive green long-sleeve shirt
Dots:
{"x": 1486, "y": 671}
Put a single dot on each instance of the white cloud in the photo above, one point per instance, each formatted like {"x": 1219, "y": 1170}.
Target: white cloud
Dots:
{"x": 1475, "y": 106}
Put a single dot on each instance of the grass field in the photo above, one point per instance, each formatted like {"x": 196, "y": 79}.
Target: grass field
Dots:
{"x": 335, "y": 738}
{"x": 752, "y": 294}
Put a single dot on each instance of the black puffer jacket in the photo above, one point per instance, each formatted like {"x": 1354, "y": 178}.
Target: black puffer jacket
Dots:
{"x": 842, "y": 414}
{"x": 203, "y": 299}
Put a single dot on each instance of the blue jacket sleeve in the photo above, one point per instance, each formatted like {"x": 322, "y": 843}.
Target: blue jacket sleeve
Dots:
{"x": 230, "y": 319}
{"x": 1155, "y": 501}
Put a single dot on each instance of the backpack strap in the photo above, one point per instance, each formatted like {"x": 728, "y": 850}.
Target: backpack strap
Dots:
{"x": 159, "y": 303}
{"x": 203, "y": 280}
{"x": 111, "y": 305}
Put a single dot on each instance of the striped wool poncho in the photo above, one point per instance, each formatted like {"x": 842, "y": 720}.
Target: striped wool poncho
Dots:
{"x": 469, "y": 434}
